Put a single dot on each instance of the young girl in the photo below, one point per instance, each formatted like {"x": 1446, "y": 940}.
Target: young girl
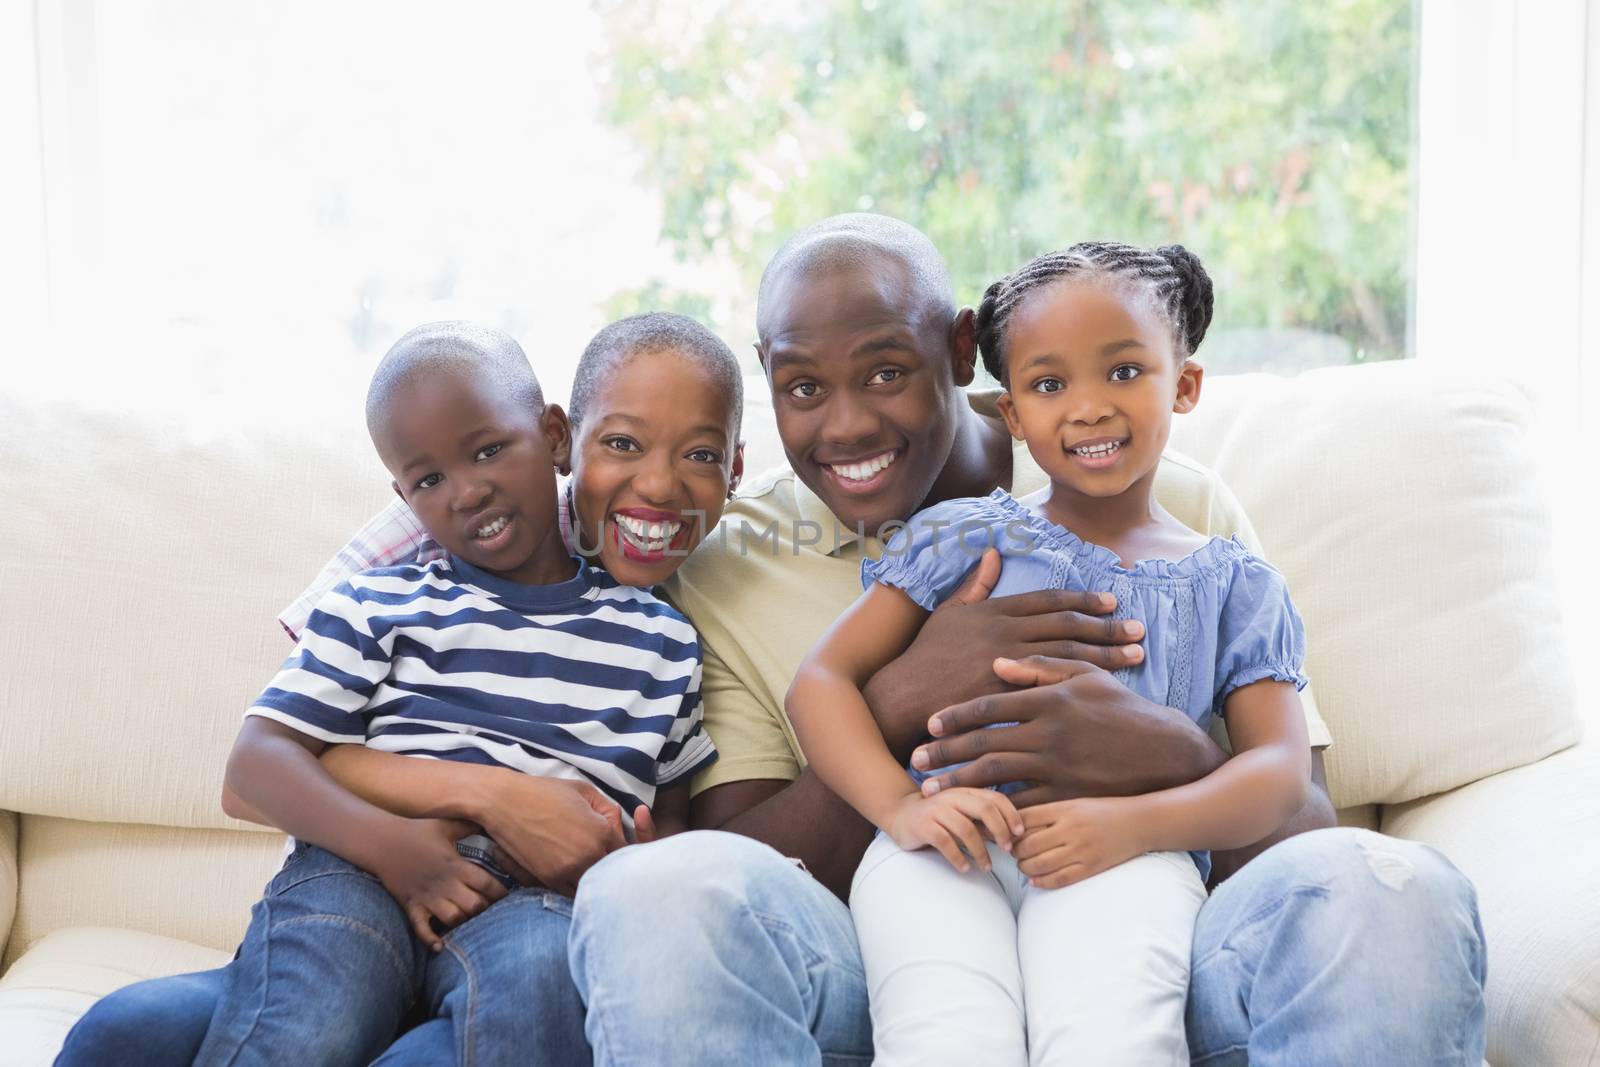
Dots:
{"x": 1061, "y": 932}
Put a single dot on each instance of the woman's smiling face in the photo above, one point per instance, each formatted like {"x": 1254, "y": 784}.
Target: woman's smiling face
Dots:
{"x": 653, "y": 463}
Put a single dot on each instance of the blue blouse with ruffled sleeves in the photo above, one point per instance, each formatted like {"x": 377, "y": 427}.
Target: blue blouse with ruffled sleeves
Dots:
{"x": 1215, "y": 620}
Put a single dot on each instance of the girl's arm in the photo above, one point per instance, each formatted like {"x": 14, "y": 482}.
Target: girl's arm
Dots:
{"x": 1253, "y": 793}
{"x": 1248, "y": 797}
{"x": 845, "y": 749}
{"x": 830, "y": 716}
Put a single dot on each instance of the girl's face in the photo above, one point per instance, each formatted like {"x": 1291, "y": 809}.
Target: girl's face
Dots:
{"x": 653, "y": 464}
{"x": 1092, "y": 384}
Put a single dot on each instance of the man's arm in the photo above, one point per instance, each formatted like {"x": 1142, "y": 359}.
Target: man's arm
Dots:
{"x": 803, "y": 819}
{"x": 800, "y": 816}
{"x": 1317, "y": 814}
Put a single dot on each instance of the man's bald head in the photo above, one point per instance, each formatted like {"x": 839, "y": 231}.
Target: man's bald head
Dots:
{"x": 854, "y": 242}
{"x": 462, "y": 348}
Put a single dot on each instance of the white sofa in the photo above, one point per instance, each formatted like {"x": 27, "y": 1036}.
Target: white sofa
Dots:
{"x": 143, "y": 566}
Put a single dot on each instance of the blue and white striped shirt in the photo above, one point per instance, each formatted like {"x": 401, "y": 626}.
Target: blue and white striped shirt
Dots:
{"x": 586, "y": 680}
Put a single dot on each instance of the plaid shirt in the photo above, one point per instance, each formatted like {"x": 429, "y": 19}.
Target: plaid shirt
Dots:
{"x": 392, "y": 536}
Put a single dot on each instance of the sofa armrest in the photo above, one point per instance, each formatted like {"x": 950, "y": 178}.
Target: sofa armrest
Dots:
{"x": 9, "y": 875}
{"x": 1529, "y": 839}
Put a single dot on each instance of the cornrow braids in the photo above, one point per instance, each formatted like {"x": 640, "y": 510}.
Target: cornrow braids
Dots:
{"x": 1173, "y": 276}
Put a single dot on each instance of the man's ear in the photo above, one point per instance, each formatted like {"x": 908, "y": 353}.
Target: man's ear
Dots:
{"x": 558, "y": 435}
{"x": 761, "y": 354}
{"x": 1190, "y": 375}
{"x": 736, "y": 474}
{"x": 396, "y": 487}
{"x": 1008, "y": 411}
{"x": 964, "y": 347}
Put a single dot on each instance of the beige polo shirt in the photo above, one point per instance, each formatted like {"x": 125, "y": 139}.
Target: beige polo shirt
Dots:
{"x": 778, "y": 569}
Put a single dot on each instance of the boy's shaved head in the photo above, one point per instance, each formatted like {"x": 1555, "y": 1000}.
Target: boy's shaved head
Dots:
{"x": 656, "y": 331}
{"x": 464, "y": 348}
{"x": 853, "y": 241}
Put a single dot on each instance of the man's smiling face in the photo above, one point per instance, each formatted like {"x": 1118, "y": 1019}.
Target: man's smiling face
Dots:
{"x": 863, "y": 385}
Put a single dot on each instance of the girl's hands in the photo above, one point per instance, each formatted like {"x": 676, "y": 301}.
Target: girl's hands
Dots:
{"x": 423, "y": 871}
{"x": 956, "y": 821}
{"x": 1069, "y": 840}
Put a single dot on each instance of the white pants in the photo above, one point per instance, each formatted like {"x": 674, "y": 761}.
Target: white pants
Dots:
{"x": 983, "y": 969}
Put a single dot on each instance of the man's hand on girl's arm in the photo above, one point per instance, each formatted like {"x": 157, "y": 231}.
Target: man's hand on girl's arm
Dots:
{"x": 1078, "y": 733}
{"x": 552, "y": 829}
{"x": 948, "y": 661}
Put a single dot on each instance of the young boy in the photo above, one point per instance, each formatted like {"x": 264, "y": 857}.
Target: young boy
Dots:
{"x": 507, "y": 651}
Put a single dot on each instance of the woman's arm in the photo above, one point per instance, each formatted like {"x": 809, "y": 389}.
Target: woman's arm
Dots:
{"x": 553, "y": 828}
{"x": 835, "y": 727}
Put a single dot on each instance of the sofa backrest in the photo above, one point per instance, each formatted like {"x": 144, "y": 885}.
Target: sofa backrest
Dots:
{"x": 144, "y": 566}
{"x": 143, "y": 569}
{"x": 1401, "y": 503}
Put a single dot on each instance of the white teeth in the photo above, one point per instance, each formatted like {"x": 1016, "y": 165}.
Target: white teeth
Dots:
{"x": 651, "y": 536}
{"x": 860, "y": 472}
{"x": 1097, "y": 451}
{"x": 494, "y": 527}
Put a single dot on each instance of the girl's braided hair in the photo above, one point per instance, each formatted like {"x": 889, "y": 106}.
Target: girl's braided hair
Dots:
{"x": 1173, "y": 275}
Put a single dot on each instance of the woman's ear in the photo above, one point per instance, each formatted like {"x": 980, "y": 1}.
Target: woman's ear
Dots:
{"x": 1190, "y": 376}
{"x": 558, "y": 435}
{"x": 1008, "y": 411}
{"x": 736, "y": 473}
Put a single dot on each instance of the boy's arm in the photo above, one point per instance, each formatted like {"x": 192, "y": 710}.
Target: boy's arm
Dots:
{"x": 273, "y": 777}
{"x": 273, "y": 770}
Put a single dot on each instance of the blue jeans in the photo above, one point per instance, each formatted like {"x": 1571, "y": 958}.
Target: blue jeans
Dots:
{"x": 329, "y": 970}
{"x": 1335, "y": 947}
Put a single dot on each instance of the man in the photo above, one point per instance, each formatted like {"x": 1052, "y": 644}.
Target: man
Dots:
{"x": 1313, "y": 951}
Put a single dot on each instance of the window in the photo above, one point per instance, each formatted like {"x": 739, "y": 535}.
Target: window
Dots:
{"x": 257, "y": 200}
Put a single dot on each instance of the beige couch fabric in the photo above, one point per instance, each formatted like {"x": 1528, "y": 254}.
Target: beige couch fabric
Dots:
{"x": 43, "y": 995}
{"x": 1401, "y": 504}
{"x": 1530, "y": 840}
{"x": 197, "y": 885}
{"x": 1398, "y": 502}
{"x": 152, "y": 564}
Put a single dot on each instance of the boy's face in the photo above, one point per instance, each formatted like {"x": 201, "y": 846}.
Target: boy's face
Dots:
{"x": 478, "y": 469}
{"x": 865, "y": 386}
{"x": 654, "y": 463}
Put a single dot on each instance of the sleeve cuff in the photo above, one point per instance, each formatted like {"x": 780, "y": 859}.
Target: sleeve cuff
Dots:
{"x": 749, "y": 769}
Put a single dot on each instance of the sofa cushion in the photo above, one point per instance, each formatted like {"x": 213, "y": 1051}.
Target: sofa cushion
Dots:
{"x": 1400, "y": 503}
{"x": 196, "y": 885}
{"x": 144, "y": 566}
{"x": 46, "y": 991}
{"x": 1530, "y": 841}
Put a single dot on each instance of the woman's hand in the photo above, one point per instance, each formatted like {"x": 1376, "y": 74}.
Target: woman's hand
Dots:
{"x": 553, "y": 829}
{"x": 1069, "y": 840}
{"x": 953, "y": 821}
